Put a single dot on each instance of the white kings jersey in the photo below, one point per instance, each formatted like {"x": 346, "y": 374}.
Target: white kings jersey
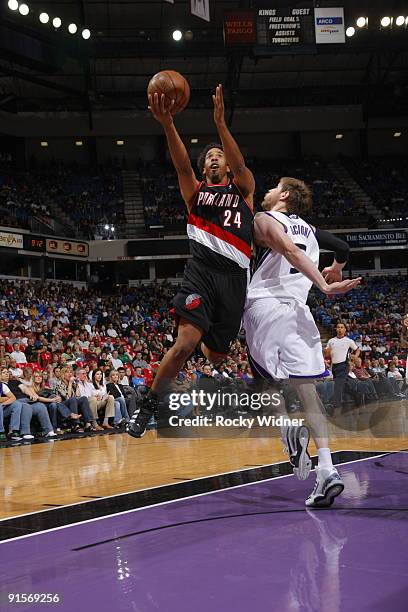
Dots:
{"x": 271, "y": 273}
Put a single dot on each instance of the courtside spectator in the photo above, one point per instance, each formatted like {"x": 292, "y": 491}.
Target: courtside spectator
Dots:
{"x": 396, "y": 377}
{"x": 118, "y": 392}
{"x": 67, "y": 389}
{"x": 100, "y": 399}
{"x": 9, "y": 407}
{"x": 57, "y": 410}
{"x": 32, "y": 407}
{"x": 366, "y": 384}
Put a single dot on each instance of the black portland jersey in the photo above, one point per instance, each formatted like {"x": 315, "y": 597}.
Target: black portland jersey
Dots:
{"x": 219, "y": 227}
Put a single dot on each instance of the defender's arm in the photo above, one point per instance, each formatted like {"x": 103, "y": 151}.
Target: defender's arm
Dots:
{"x": 341, "y": 250}
{"x": 270, "y": 233}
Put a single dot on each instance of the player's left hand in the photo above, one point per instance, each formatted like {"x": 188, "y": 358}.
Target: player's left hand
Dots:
{"x": 332, "y": 274}
{"x": 219, "y": 108}
{"x": 343, "y": 287}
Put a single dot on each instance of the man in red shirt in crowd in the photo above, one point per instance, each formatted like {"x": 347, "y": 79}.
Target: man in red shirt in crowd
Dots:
{"x": 44, "y": 356}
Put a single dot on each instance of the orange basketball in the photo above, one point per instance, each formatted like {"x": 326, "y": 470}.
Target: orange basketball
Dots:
{"x": 174, "y": 86}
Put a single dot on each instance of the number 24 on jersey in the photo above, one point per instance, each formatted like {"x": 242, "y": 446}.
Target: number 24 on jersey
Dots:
{"x": 232, "y": 219}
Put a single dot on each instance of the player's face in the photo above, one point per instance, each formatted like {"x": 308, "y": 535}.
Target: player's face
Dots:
{"x": 215, "y": 166}
{"x": 272, "y": 197}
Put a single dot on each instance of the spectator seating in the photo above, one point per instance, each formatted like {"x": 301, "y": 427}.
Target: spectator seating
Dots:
{"x": 89, "y": 197}
{"x": 385, "y": 180}
{"x": 333, "y": 205}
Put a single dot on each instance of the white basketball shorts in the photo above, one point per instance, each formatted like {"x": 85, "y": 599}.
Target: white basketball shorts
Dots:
{"x": 283, "y": 340}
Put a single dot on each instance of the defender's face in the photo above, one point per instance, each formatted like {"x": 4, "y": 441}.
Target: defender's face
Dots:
{"x": 272, "y": 197}
{"x": 215, "y": 166}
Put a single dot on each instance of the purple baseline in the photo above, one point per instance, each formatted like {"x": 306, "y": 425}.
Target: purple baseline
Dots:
{"x": 253, "y": 548}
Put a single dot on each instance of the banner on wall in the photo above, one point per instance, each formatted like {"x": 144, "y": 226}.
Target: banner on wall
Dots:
{"x": 375, "y": 238}
{"x": 201, "y": 8}
{"x": 329, "y": 25}
{"x": 11, "y": 241}
{"x": 67, "y": 247}
{"x": 239, "y": 28}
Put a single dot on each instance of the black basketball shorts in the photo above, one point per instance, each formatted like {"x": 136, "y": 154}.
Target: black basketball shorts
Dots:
{"x": 214, "y": 301}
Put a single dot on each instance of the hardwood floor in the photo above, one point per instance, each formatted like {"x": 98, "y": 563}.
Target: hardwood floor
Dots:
{"x": 40, "y": 476}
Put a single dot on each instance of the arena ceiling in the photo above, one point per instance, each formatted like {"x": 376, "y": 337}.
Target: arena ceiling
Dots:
{"x": 131, "y": 40}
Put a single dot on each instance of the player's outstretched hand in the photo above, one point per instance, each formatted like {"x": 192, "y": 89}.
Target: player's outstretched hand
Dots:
{"x": 343, "y": 287}
{"x": 219, "y": 108}
{"x": 333, "y": 274}
{"x": 160, "y": 111}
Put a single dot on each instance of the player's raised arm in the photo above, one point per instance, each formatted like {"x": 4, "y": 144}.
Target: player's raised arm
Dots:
{"x": 270, "y": 233}
{"x": 243, "y": 177}
{"x": 341, "y": 250}
{"x": 186, "y": 177}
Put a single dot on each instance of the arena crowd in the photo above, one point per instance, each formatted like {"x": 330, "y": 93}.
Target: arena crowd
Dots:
{"x": 88, "y": 196}
{"x": 74, "y": 361}
{"x": 385, "y": 180}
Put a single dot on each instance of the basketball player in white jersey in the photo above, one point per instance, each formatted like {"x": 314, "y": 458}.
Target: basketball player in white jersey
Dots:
{"x": 282, "y": 337}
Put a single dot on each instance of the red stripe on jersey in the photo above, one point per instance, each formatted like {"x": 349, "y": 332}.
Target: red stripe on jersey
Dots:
{"x": 218, "y": 232}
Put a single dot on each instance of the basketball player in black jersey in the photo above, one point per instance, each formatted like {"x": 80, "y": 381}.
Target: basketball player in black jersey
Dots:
{"x": 211, "y": 300}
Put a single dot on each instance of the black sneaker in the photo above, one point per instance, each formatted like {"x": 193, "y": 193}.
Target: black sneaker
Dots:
{"x": 139, "y": 421}
{"x": 296, "y": 443}
{"x": 15, "y": 436}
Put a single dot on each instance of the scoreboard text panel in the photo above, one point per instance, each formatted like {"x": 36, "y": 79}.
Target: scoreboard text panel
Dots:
{"x": 285, "y": 28}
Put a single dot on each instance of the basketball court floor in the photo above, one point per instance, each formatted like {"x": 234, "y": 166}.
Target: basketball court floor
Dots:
{"x": 112, "y": 523}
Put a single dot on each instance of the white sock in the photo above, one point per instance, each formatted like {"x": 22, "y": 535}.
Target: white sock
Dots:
{"x": 325, "y": 460}
{"x": 105, "y": 421}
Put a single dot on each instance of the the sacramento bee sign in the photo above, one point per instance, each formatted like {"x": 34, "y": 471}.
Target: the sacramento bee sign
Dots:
{"x": 375, "y": 238}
